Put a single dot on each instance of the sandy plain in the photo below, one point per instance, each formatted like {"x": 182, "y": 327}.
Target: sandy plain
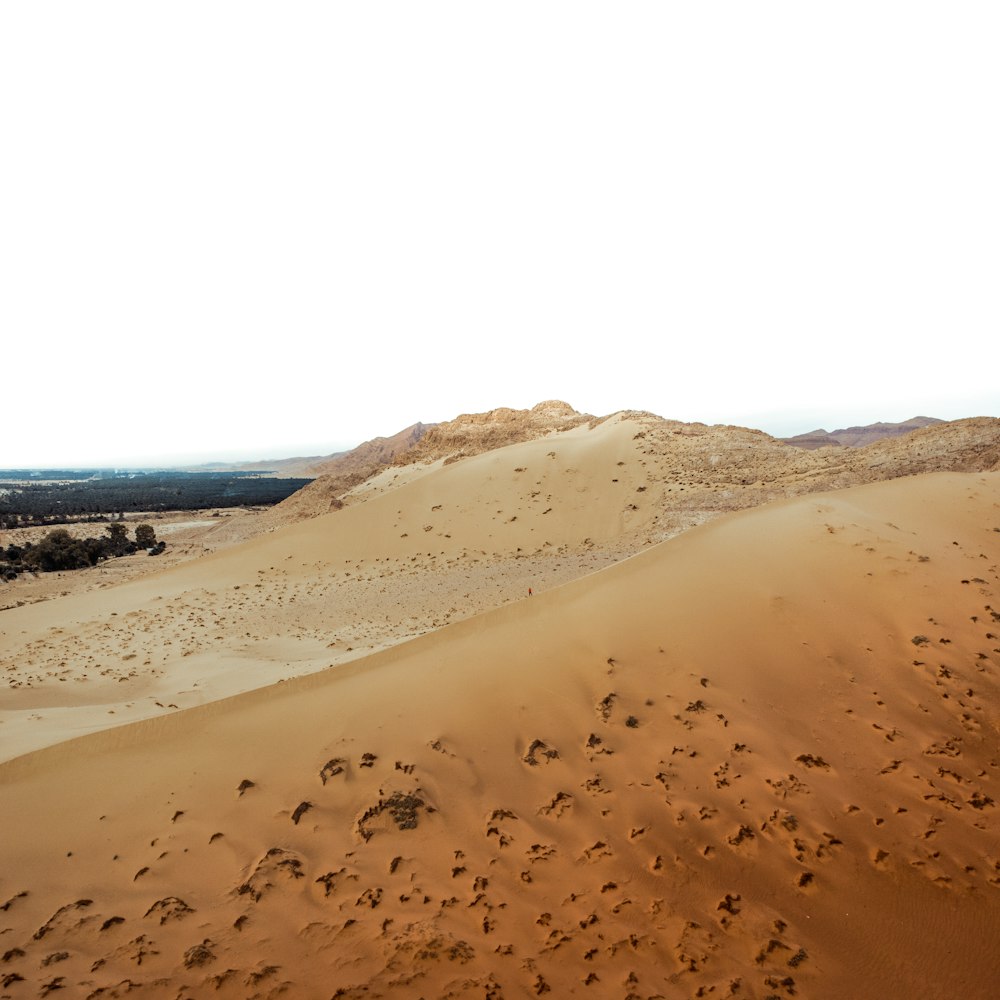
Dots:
{"x": 758, "y": 759}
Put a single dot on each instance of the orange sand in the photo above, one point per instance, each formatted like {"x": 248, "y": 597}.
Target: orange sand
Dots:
{"x": 757, "y": 760}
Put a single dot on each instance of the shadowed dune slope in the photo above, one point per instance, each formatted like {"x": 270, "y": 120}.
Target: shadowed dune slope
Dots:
{"x": 758, "y": 760}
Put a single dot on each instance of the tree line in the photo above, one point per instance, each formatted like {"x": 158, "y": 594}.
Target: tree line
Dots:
{"x": 59, "y": 550}
{"x": 23, "y": 505}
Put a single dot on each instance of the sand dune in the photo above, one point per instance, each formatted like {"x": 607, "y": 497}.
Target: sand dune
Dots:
{"x": 757, "y": 760}
{"x": 418, "y": 548}
{"x": 693, "y": 471}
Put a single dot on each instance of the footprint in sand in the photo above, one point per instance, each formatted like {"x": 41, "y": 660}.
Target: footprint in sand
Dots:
{"x": 600, "y": 849}
{"x": 540, "y": 852}
{"x": 559, "y": 804}
{"x": 539, "y": 752}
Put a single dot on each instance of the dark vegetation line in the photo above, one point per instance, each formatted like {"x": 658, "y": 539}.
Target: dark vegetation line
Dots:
{"x": 59, "y": 550}
{"x": 25, "y": 505}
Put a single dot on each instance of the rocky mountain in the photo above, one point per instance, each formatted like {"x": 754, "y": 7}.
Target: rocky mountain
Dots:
{"x": 858, "y": 437}
{"x": 474, "y": 433}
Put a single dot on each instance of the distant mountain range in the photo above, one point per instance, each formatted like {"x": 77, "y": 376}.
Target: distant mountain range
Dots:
{"x": 858, "y": 437}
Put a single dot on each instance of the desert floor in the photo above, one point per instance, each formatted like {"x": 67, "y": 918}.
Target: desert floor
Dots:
{"x": 758, "y": 759}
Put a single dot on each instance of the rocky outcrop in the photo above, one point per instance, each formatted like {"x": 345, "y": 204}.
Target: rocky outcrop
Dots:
{"x": 474, "y": 433}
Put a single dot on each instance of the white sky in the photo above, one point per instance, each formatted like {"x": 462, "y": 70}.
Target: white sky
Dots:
{"x": 252, "y": 230}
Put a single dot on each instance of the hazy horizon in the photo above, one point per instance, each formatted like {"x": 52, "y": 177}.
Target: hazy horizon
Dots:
{"x": 335, "y": 220}
{"x": 777, "y": 427}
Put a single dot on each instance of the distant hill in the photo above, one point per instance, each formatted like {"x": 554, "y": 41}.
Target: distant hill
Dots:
{"x": 368, "y": 456}
{"x": 858, "y": 437}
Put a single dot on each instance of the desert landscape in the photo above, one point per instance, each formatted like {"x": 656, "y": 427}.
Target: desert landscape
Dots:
{"x": 526, "y": 702}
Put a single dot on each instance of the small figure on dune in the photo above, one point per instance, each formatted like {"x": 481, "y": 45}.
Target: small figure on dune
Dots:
{"x": 530, "y": 592}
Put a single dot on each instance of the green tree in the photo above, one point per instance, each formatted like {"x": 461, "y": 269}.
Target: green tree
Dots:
{"x": 57, "y": 550}
{"x": 117, "y": 538}
{"x": 145, "y": 536}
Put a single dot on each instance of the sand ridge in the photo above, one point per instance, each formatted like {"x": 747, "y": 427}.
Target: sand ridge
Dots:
{"x": 757, "y": 760}
{"x": 440, "y": 545}
{"x": 694, "y": 471}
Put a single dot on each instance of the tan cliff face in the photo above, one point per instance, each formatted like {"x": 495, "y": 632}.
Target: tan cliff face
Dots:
{"x": 474, "y": 433}
{"x": 966, "y": 445}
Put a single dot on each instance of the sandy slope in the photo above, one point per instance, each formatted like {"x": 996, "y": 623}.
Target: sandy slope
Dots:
{"x": 693, "y": 471}
{"x": 759, "y": 760}
{"x": 432, "y": 546}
